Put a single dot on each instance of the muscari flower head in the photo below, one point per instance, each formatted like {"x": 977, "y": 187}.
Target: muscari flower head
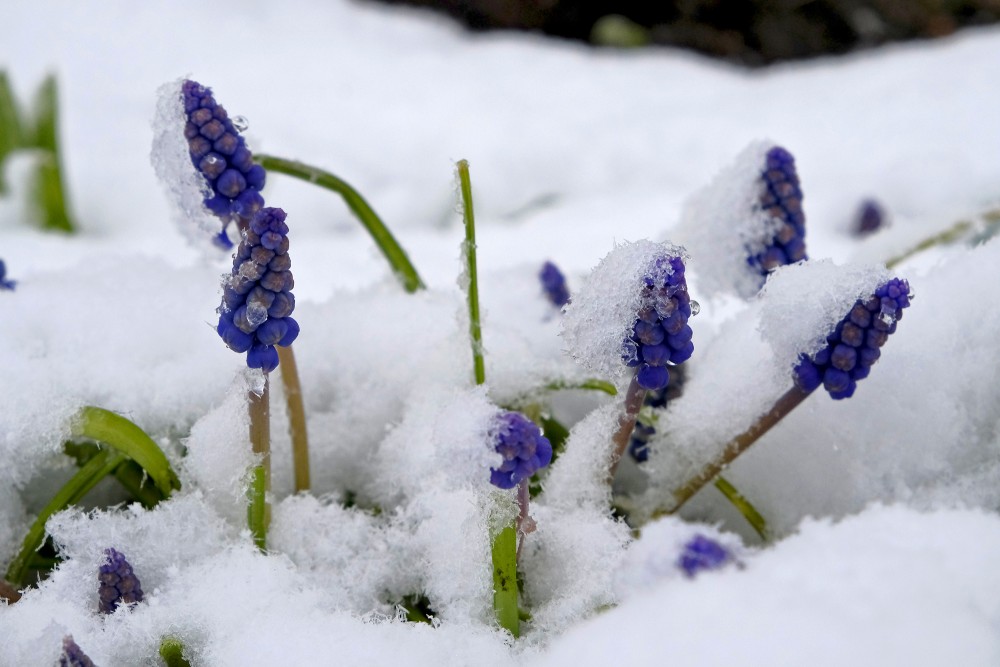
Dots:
{"x": 660, "y": 334}
{"x": 702, "y": 553}
{"x": 257, "y": 297}
{"x": 4, "y": 283}
{"x": 870, "y": 218}
{"x": 638, "y": 446}
{"x": 554, "y": 284}
{"x": 72, "y": 655}
{"x": 523, "y": 447}
{"x": 220, "y": 154}
{"x": 781, "y": 201}
{"x": 117, "y": 582}
{"x": 855, "y": 343}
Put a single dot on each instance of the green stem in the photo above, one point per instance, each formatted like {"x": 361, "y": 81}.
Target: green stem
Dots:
{"x": 592, "y": 384}
{"x": 259, "y": 511}
{"x": 394, "y": 253}
{"x": 172, "y": 652}
{"x": 635, "y": 395}
{"x": 504, "y": 553}
{"x": 132, "y": 478}
{"x": 129, "y": 439}
{"x": 475, "y": 331}
{"x": 745, "y": 507}
{"x": 50, "y": 186}
{"x": 83, "y": 481}
{"x": 949, "y": 235}
{"x": 296, "y": 417}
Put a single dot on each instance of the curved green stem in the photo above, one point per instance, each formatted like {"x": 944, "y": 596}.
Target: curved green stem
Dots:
{"x": 83, "y": 481}
{"x": 744, "y": 506}
{"x": 592, "y": 384}
{"x": 124, "y": 436}
{"x": 394, "y": 253}
{"x": 475, "y": 330}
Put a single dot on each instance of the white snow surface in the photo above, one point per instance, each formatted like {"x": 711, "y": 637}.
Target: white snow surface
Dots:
{"x": 882, "y": 508}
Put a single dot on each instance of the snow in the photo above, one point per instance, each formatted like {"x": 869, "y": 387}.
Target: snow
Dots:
{"x": 882, "y": 508}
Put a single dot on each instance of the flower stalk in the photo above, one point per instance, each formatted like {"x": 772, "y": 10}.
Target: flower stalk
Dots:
{"x": 259, "y": 510}
{"x": 296, "y": 417}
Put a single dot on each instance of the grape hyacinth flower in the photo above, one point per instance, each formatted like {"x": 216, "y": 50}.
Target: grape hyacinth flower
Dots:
{"x": 781, "y": 201}
{"x": 5, "y": 284}
{"x": 73, "y": 655}
{"x": 220, "y": 154}
{"x": 554, "y": 284}
{"x": 660, "y": 334}
{"x": 702, "y": 553}
{"x": 855, "y": 343}
{"x": 523, "y": 447}
{"x": 118, "y": 583}
{"x": 257, "y": 299}
{"x": 870, "y": 218}
{"x": 638, "y": 447}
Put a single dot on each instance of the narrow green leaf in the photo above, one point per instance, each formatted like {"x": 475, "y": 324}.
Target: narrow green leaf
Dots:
{"x": 172, "y": 652}
{"x": 394, "y": 253}
{"x": 83, "y": 481}
{"x": 121, "y": 434}
{"x": 12, "y": 131}
{"x": 475, "y": 330}
{"x": 49, "y": 186}
{"x": 744, "y": 506}
{"x": 592, "y": 383}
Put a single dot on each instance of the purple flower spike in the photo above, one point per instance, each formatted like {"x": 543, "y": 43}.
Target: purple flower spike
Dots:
{"x": 257, "y": 298}
{"x": 781, "y": 200}
{"x": 554, "y": 284}
{"x": 72, "y": 655}
{"x": 118, "y": 583}
{"x": 870, "y": 218}
{"x": 220, "y": 154}
{"x": 660, "y": 334}
{"x": 4, "y": 283}
{"x": 523, "y": 447}
{"x": 702, "y": 553}
{"x": 854, "y": 345}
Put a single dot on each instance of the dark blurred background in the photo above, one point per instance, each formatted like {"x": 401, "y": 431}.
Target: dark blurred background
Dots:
{"x": 751, "y": 33}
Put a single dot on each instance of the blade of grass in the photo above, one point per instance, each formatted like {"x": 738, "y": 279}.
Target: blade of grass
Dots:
{"x": 469, "y": 253}
{"x": 744, "y": 506}
{"x": 50, "y": 189}
{"x": 12, "y": 131}
{"x": 386, "y": 242}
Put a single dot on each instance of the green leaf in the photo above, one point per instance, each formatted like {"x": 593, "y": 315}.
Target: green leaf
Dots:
{"x": 12, "y": 131}
{"x": 469, "y": 253}
{"x": 124, "y": 436}
{"x": 394, "y": 253}
{"x": 744, "y": 506}
{"x": 590, "y": 384}
{"x": 49, "y": 185}
{"x": 504, "y": 553}
{"x": 172, "y": 652}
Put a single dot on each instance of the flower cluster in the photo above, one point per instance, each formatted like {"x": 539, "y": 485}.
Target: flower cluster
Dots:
{"x": 72, "y": 655}
{"x": 523, "y": 447}
{"x": 781, "y": 200}
{"x": 4, "y": 283}
{"x": 221, "y": 155}
{"x": 702, "y": 553}
{"x": 118, "y": 583}
{"x": 870, "y": 218}
{"x": 855, "y": 344}
{"x": 638, "y": 446}
{"x": 554, "y": 284}
{"x": 257, "y": 298}
{"x": 660, "y": 333}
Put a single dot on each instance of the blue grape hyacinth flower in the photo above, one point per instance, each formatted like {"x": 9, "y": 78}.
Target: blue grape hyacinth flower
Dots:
{"x": 870, "y": 218}
{"x": 660, "y": 334}
{"x": 554, "y": 284}
{"x": 220, "y": 154}
{"x": 855, "y": 343}
{"x": 72, "y": 655}
{"x": 702, "y": 553}
{"x": 523, "y": 447}
{"x": 781, "y": 201}
{"x": 4, "y": 283}
{"x": 257, "y": 298}
{"x": 117, "y": 582}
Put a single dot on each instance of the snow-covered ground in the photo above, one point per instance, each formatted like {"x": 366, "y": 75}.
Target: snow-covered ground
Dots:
{"x": 883, "y": 507}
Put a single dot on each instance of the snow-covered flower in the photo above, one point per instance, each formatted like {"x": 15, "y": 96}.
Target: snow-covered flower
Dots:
{"x": 523, "y": 447}
{"x": 783, "y": 238}
{"x": 257, "y": 298}
{"x": 855, "y": 344}
{"x": 117, "y": 582}
{"x": 72, "y": 655}
{"x": 220, "y": 154}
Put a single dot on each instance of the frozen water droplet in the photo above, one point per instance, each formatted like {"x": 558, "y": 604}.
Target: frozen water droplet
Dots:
{"x": 886, "y": 318}
{"x": 211, "y": 159}
{"x": 695, "y": 307}
{"x": 256, "y": 314}
{"x": 241, "y": 123}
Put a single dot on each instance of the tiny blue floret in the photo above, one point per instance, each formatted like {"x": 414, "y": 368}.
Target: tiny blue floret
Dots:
{"x": 855, "y": 343}
{"x": 870, "y": 218}
{"x": 257, "y": 298}
{"x": 4, "y": 283}
{"x": 72, "y": 655}
{"x": 702, "y": 553}
{"x": 220, "y": 153}
{"x": 781, "y": 200}
{"x": 523, "y": 447}
{"x": 117, "y": 582}
{"x": 660, "y": 334}
{"x": 554, "y": 284}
